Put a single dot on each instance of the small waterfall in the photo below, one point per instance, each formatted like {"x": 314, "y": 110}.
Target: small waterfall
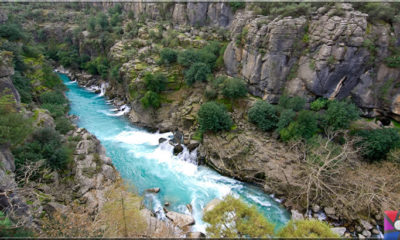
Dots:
{"x": 103, "y": 89}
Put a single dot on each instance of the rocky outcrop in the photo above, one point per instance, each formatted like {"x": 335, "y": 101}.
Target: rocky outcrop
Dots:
{"x": 328, "y": 55}
{"x": 6, "y": 71}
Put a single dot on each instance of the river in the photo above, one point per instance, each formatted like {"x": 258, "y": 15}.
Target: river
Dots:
{"x": 142, "y": 161}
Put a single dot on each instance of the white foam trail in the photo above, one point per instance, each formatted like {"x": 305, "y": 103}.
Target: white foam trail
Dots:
{"x": 140, "y": 137}
{"x": 103, "y": 88}
{"x": 259, "y": 201}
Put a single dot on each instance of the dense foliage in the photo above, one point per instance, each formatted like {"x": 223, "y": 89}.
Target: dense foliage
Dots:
{"x": 151, "y": 99}
{"x": 307, "y": 229}
{"x": 234, "y": 88}
{"x": 243, "y": 220}
{"x": 168, "y": 56}
{"x": 294, "y": 103}
{"x": 46, "y": 144}
{"x": 319, "y": 104}
{"x": 155, "y": 82}
{"x": 340, "y": 114}
{"x": 264, "y": 115}
{"x": 214, "y": 117}
{"x": 377, "y": 143}
{"x": 197, "y": 73}
{"x": 14, "y": 127}
{"x": 305, "y": 126}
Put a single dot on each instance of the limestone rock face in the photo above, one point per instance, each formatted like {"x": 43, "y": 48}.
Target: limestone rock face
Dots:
{"x": 327, "y": 56}
{"x": 211, "y": 205}
{"x": 6, "y": 71}
{"x": 181, "y": 220}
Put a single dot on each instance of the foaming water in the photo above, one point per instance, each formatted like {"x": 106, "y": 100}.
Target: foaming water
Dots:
{"x": 141, "y": 160}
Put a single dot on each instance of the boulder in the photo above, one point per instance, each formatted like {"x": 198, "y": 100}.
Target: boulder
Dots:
{"x": 339, "y": 230}
{"x": 153, "y": 190}
{"x": 366, "y": 233}
{"x": 366, "y": 225}
{"x": 329, "y": 210}
{"x": 53, "y": 207}
{"x": 192, "y": 146}
{"x": 211, "y": 205}
{"x": 316, "y": 208}
{"x": 296, "y": 215}
{"x": 161, "y": 140}
{"x": 180, "y": 220}
{"x": 178, "y": 149}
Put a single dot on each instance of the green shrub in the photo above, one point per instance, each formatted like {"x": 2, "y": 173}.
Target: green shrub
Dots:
{"x": 187, "y": 57}
{"x": 319, "y": 104}
{"x": 23, "y": 85}
{"x": 168, "y": 56}
{"x": 285, "y": 118}
{"x": 206, "y": 55}
{"x": 63, "y": 125}
{"x": 294, "y": 103}
{"x": 377, "y": 143}
{"x": 378, "y": 11}
{"x": 151, "y": 99}
{"x": 307, "y": 229}
{"x": 55, "y": 110}
{"x": 234, "y": 88}
{"x": 50, "y": 79}
{"x": 53, "y": 97}
{"x": 237, "y": 5}
{"x": 214, "y": 117}
{"x": 264, "y": 115}
{"x": 393, "y": 61}
{"x": 248, "y": 223}
{"x": 46, "y": 144}
{"x": 155, "y": 83}
{"x": 340, "y": 114}
{"x": 305, "y": 127}
{"x": 12, "y": 32}
{"x": 197, "y": 73}
{"x": 14, "y": 127}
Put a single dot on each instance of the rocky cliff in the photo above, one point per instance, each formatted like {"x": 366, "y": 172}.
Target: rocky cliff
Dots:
{"x": 327, "y": 56}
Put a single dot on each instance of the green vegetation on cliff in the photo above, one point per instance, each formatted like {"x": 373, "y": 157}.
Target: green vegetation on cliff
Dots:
{"x": 214, "y": 117}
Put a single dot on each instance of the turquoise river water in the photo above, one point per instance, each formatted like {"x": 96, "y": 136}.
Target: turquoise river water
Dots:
{"x": 145, "y": 163}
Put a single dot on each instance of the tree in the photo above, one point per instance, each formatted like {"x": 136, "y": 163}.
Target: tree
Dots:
{"x": 377, "y": 143}
{"x": 187, "y": 57}
{"x": 263, "y": 115}
{"x": 307, "y": 229}
{"x": 197, "y": 73}
{"x": 305, "y": 126}
{"x": 151, "y": 99}
{"x": 168, "y": 56}
{"x": 340, "y": 114}
{"x": 92, "y": 24}
{"x": 156, "y": 82}
{"x": 294, "y": 103}
{"x": 46, "y": 144}
{"x": 286, "y": 117}
{"x": 14, "y": 127}
{"x": 232, "y": 218}
{"x": 319, "y": 104}
{"x": 102, "y": 21}
{"x": 234, "y": 88}
{"x": 53, "y": 97}
{"x": 214, "y": 117}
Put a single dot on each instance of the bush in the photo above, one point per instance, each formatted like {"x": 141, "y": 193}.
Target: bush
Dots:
{"x": 151, "y": 99}
{"x": 53, "y": 97}
{"x": 63, "y": 125}
{"x": 263, "y": 115}
{"x": 206, "y": 55}
{"x": 187, "y": 57}
{"x": 14, "y": 127}
{"x": 23, "y": 85}
{"x": 214, "y": 117}
{"x": 319, "y": 104}
{"x": 294, "y": 103}
{"x": 50, "y": 79}
{"x": 340, "y": 114}
{"x": 234, "y": 88}
{"x": 306, "y": 229}
{"x": 248, "y": 223}
{"x": 305, "y": 126}
{"x": 393, "y": 61}
{"x": 12, "y": 32}
{"x": 210, "y": 93}
{"x": 286, "y": 117}
{"x": 168, "y": 56}
{"x": 237, "y": 5}
{"x": 377, "y": 143}
{"x": 156, "y": 82}
{"x": 378, "y": 11}
{"x": 55, "y": 110}
{"x": 197, "y": 73}
{"x": 9, "y": 229}
{"x": 46, "y": 144}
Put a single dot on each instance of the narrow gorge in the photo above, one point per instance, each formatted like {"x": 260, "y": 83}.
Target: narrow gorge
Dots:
{"x": 165, "y": 110}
